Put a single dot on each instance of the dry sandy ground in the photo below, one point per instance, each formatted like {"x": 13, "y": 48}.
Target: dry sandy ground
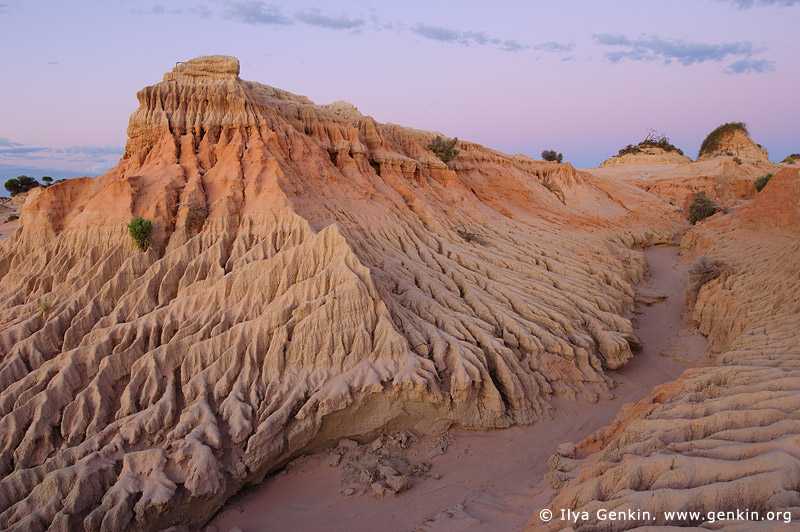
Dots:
{"x": 648, "y": 172}
{"x": 6, "y": 228}
{"x": 488, "y": 481}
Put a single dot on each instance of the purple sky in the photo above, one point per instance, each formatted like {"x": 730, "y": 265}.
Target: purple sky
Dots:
{"x": 583, "y": 77}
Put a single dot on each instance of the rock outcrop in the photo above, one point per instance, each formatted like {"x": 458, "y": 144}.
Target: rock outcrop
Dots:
{"x": 17, "y": 201}
{"x": 722, "y": 179}
{"x": 315, "y": 275}
{"x": 732, "y": 140}
{"x": 717, "y": 439}
{"x": 647, "y": 156}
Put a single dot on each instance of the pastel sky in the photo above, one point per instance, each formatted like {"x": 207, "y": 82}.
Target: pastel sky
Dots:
{"x": 584, "y": 77}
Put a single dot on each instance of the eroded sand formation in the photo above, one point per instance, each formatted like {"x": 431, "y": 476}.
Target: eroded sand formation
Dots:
{"x": 8, "y": 221}
{"x": 722, "y": 179}
{"x": 736, "y": 143}
{"x": 721, "y": 438}
{"x": 646, "y": 156}
{"x": 315, "y": 275}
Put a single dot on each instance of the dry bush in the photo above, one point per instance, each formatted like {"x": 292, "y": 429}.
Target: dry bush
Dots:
{"x": 654, "y": 139}
{"x": 702, "y": 271}
{"x": 471, "y": 236}
{"x": 761, "y": 182}
{"x": 702, "y": 207}
{"x": 196, "y": 216}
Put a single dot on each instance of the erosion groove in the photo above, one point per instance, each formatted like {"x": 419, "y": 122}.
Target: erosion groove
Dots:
{"x": 288, "y": 290}
{"x": 722, "y": 438}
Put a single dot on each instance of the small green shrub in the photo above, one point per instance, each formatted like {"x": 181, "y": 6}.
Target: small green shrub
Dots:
{"x": 552, "y": 156}
{"x": 45, "y": 307}
{"x": 12, "y": 217}
{"x": 701, "y": 207}
{"x": 140, "y": 230}
{"x": 791, "y": 159}
{"x": 711, "y": 142}
{"x": 444, "y": 149}
{"x": 737, "y": 160}
{"x": 761, "y": 182}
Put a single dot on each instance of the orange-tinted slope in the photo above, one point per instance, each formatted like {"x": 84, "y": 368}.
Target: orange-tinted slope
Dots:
{"x": 314, "y": 274}
{"x": 723, "y": 438}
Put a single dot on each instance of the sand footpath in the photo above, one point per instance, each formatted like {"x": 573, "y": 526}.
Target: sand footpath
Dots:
{"x": 486, "y": 481}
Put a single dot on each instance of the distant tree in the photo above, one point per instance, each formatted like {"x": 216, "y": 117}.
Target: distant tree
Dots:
{"x": 444, "y": 149}
{"x": 47, "y": 179}
{"x": 12, "y": 185}
{"x": 551, "y": 155}
{"x": 21, "y": 184}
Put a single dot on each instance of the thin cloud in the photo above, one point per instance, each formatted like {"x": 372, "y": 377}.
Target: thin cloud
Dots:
{"x": 314, "y": 17}
{"x": 255, "y": 13}
{"x": 92, "y": 150}
{"x": 555, "y": 47}
{"x": 748, "y": 66}
{"x": 466, "y": 38}
{"x": 157, "y": 9}
{"x": 20, "y": 150}
{"x": 510, "y": 45}
{"x": 73, "y": 161}
{"x": 200, "y": 10}
{"x": 437, "y": 33}
{"x": 87, "y": 156}
{"x": 748, "y": 4}
{"x": 7, "y": 171}
{"x": 655, "y": 48}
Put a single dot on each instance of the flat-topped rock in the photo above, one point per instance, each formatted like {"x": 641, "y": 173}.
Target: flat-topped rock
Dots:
{"x": 645, "y": 156}
{"x": 208, "y": 67}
